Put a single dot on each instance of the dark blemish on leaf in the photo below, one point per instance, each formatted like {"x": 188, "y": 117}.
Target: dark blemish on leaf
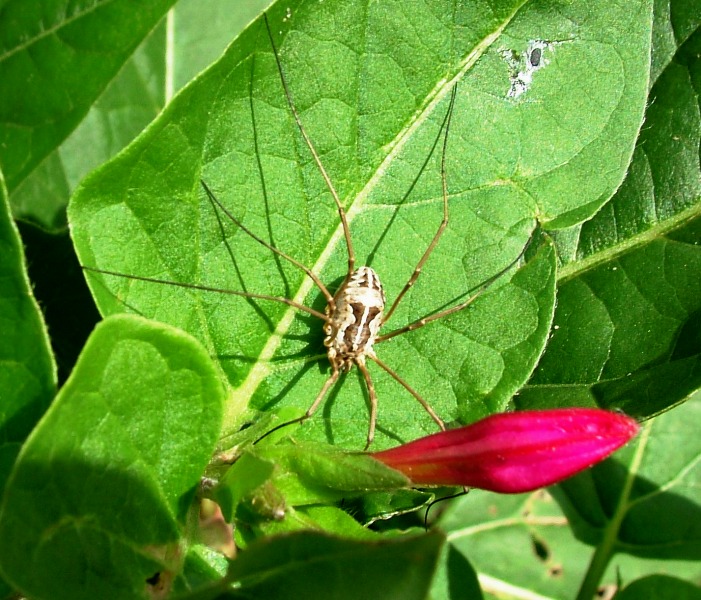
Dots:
{"x": 158, "y": 586}
{"x": 540, "y": 548}
{"x": 535, "y": 57}
{"x": 606, "y": 592}
{"x": 555, "y": 571}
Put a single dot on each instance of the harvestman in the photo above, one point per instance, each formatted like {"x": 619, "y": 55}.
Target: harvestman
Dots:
{"x": 355, "y": 314}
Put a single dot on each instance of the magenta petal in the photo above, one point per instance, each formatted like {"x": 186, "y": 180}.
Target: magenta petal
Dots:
{"x": 513, "y": 452}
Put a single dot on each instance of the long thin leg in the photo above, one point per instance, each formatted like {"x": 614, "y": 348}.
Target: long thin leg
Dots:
{"x": 215, "y": 202}
{"x": 205, "y": 288}
{"x": 444, "y": 222}
{"x": 457, "y": 308}
{"x": 311, "y": 410}
{"x": 465, "y": 490}
{"x": 373, "y": 401}
{"x": 412, "y": 391}
{"x": 312, "y": 149}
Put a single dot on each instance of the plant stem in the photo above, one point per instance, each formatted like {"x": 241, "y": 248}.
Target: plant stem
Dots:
{"x": 607, "y": 547}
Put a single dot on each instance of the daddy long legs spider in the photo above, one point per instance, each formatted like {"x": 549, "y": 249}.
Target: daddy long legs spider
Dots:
{"x": 355, "y": 313}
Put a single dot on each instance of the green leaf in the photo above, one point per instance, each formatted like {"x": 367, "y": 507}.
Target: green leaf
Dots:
{"x": 312, "y": 565}
{"x": 309, "y": 472}
{"x": 247, "y": 474}
{"x": 660, "y": 587}
{"x": 28, "y": 371}
{"x": 58, "y": 284}
{"x": 131, "y": 99}
{"x": 626, "y": 327}
{"x": 318, "y": 470}
{"x": 172, "y": 54}
{"x": 56, "y": 57}
{"x": 612, "y": 506}
{"x": 100, "y": 489}
{"x": 372, "y": 101}
{"x": 203, "y": 566}
{"x": 455, "y": 578}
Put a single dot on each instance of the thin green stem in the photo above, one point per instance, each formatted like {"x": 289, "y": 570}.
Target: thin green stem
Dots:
{"x": 607, "y": 547}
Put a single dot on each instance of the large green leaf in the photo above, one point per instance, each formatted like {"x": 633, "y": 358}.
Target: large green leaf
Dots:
{"x": 519, "y": 545}
{"x": 629, "y": 300}
{"x": 612, "y": 507}
{"x": 27, "y": 369}
{"x": 96, "y": 501}
{"x": 172, "y": 54}
{"x": 372, "y": 82}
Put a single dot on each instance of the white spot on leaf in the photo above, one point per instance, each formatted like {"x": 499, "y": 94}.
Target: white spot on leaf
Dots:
{"x": 523, "y": 65}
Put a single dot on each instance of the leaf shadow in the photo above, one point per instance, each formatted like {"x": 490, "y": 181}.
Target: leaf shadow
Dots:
{"x": 405, "y": 197}
{"x": 259, "y": 164}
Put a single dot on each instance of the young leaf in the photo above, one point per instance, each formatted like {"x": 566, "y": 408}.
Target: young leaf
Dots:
{"x": 275, "y": 489}
{"x": 322, "y": 518}
{"x": 372, "y": 101}
{"x": 311, "y": 474}
{"x": 94, "y": 505}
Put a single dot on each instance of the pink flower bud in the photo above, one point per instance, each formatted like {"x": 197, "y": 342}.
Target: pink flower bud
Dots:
{"x": 513, "y": 452}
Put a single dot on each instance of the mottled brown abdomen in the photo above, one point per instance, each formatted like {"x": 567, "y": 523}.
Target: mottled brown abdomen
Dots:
{"x": 355, "y": 319}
